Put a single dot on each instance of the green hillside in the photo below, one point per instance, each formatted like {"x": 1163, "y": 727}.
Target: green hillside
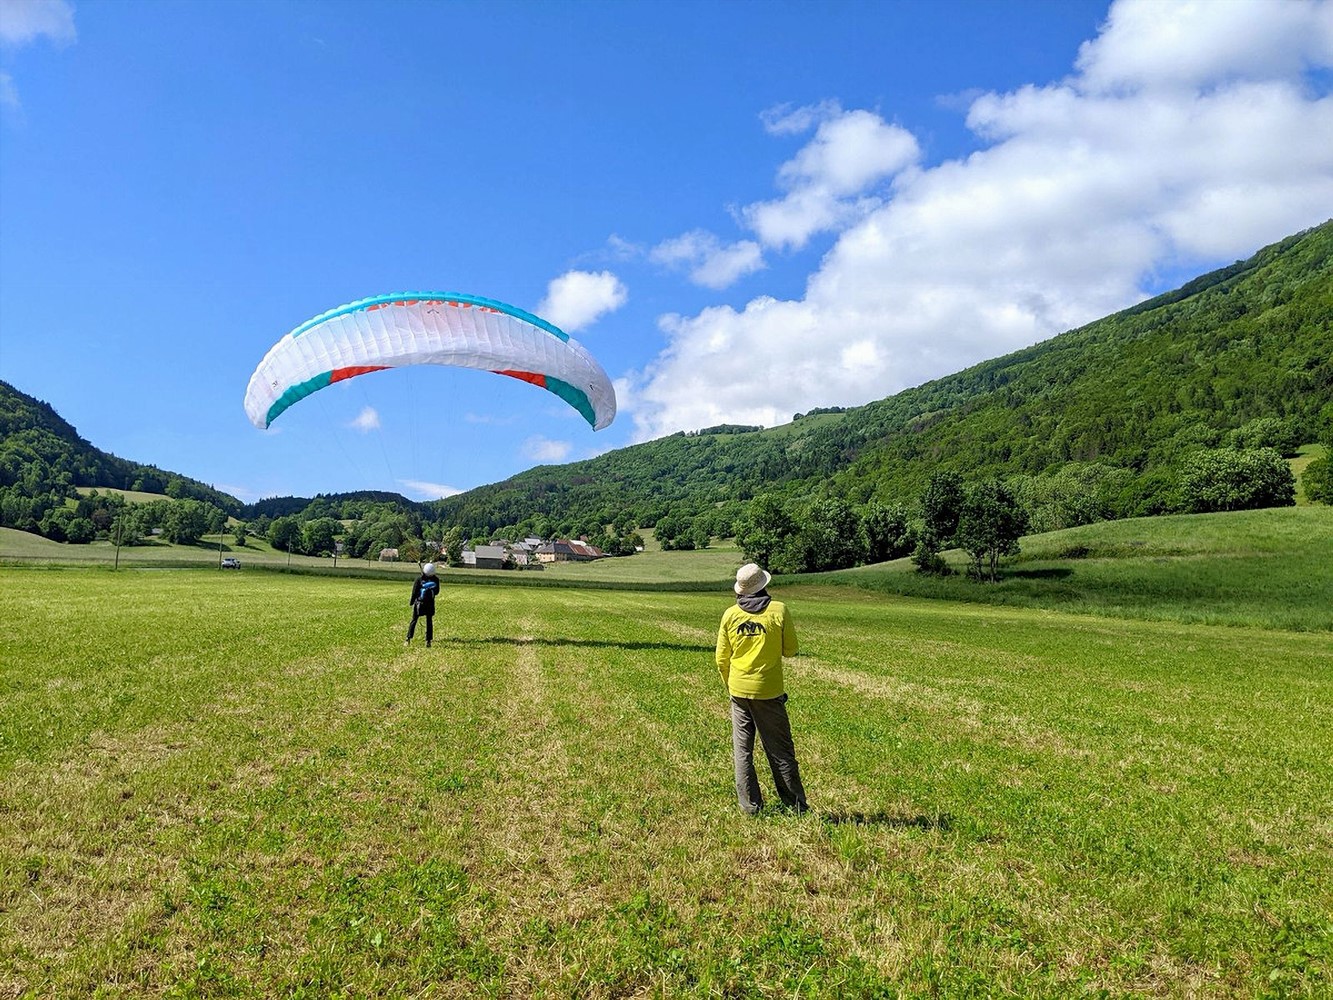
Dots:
{"x": 41, "y": 452}
{"x": 1243, "y": 355}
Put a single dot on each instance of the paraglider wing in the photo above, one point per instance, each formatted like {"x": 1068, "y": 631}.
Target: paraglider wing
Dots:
{"x": 428, "y": 328}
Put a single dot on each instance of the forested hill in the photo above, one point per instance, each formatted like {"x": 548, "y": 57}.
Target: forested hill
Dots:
{"x": 348, "y": 505}
{"x": 41, "y": 448}
{"x": 1243, "y": 355}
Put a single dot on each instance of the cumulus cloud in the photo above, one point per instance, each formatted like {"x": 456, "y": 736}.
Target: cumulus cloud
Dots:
{"x": 709, "y": 262}
{"x": 1200, "y": 42}
{"x": 827, "y": 181}
{"x": 367, "y": 420}
{"x": 579, "y": 298}
{"x": 542, "y": 449}
{"x": 1186, "y": 146}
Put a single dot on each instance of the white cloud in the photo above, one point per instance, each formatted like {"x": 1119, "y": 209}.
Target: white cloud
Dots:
{"x": 784, "y": 119}
{"x": 1198, "y": 43}
{"x": 242, "y": 493}
{"x": 9, "y": 95}
{"x": 428, "y": 491}
{"x": 708, "y": 261}
{"x": 623, "y": 249}
{"x": 851, "y": 153}
{"x": 367, "y": 420}
{"x": 578, "y": 298}
{"x": 541, "y": 449}
{"x": 25, "y": 21}
{"x": 1186, "y": 148}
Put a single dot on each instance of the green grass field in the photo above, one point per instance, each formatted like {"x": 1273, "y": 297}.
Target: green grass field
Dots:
{"x": 653, "y": 566}
{"x": 243, "y": 785}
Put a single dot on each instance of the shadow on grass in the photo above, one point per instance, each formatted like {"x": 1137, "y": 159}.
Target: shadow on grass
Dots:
{"x": 1050, "y": 573}
{"x": 509, "y": 640}
{"x": 936, "y": 821}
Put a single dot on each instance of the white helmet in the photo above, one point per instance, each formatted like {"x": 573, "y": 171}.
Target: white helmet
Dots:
{"x": 428, "y": 569}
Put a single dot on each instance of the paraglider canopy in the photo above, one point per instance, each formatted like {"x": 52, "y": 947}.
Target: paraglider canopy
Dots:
{"x": 428, "y": 328}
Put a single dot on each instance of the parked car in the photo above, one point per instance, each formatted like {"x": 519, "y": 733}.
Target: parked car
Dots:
{"x": 231, "y": 563}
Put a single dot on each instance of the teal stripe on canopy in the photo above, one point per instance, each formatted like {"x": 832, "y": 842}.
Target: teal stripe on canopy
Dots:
{"x": 574, "y": 397}
{"x": 295, "y": 394}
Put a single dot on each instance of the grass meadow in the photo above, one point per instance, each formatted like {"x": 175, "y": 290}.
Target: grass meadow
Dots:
{"x": 713, "y": 566}
{"x": 244, "y": 785}
{"x": 1266, "y": 568}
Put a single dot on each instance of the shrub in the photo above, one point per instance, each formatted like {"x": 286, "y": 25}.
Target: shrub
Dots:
{"x": 1266, "y": 432}
{"x": 1236, "y": 480}
{"x": 927, "y": 559}
{"x": 1318, "y": 481}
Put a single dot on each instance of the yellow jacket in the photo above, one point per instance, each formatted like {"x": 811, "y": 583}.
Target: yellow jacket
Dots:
{"x": 750, "y": 648}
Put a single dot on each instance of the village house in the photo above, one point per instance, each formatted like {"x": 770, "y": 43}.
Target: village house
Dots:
{"x": 568, "y": 550}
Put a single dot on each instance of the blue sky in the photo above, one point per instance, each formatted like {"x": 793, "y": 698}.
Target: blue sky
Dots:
{"x": 743, "y": 210}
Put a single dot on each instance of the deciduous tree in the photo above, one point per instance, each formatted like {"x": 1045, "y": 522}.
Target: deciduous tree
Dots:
{"x": 990, "y": 523}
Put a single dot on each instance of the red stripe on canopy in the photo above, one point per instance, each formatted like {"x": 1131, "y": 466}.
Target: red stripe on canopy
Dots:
{"x": 533, "y": 377}
{"x": 338, "y": 374}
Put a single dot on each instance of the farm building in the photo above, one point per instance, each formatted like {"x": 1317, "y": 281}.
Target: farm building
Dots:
{"x": 568, "y": 550}
{"x": 485, "y": 557}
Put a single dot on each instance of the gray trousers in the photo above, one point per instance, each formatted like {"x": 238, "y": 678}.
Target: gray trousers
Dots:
{"x": 768, "y": 718}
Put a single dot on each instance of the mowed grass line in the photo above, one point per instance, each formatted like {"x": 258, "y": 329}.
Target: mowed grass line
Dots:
{"x": 244, "y": 785}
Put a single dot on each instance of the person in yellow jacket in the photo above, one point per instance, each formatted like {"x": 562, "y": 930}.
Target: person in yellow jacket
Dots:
{"x": 753, "y": 637}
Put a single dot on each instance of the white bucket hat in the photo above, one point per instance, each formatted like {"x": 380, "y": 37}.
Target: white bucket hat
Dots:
{"x": 750, "y": 579}
{"x": 428, "y": 569}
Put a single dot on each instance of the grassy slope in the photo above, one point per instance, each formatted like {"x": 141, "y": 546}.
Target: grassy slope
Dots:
{"x": 1304, "y": 456}
{"x": 131, "y": 496}
{"x": 243, "y": 785}
{"x": 1267, "y": 568}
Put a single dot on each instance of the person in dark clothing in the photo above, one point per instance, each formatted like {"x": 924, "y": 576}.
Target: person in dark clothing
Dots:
{"x": 424, "y": 590}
